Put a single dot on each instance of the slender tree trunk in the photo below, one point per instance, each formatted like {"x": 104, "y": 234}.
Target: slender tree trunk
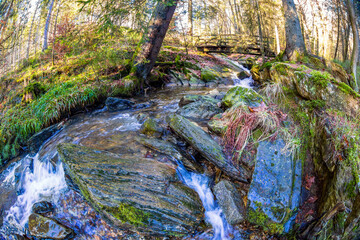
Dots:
{"x": 338, "y": 30}
{"x": 295, "y": 44}
{"x": 355, "y": 52}
{"x": 347, "y": 39}
{"x": 153, "y": 38}
{"x": 260, "y": 31}
{"x": 31, "y": 27}
{"x": 190, "y": 17}
{"x": 54, "y": 34}
{"x": 46, "y": 29}
{"x": 277, "y": 40}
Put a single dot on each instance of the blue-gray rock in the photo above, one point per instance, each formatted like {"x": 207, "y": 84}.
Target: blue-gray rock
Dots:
{"x": 38, "y": 139}
{"x": 206, "y": 146}
{"x": 43, "y": 207}
{"x": 118, "y": 104}
{"x": 230, "y": 202}
{"x": 46, "y": 228}
{"x": 274, "y": 192}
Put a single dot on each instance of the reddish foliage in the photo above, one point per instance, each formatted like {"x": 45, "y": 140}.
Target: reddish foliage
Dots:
{"x": 309, "y": 181}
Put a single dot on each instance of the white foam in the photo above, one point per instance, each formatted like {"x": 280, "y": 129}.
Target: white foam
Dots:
{"x": 213, "y": 213}
{"x": 44, "y": 182}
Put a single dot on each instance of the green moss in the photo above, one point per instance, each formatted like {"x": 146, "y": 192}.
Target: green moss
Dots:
{"x": 350, "y": 189}
{"x": 347, "y": 89}
{"x": 259, "y": 217}
{"x": 129, "y": 214}
{"x": 208, "y": 75}
{"x": 282, "y": 69}
{"x": 266, "y": 65}
{"x": 320, "y": 79}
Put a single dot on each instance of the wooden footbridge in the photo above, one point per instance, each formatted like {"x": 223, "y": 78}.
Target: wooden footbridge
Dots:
{"x": 234, "y": 43}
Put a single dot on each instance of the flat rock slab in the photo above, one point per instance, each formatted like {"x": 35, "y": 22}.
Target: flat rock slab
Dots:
{"x": 134, "y": 193}
{"x": 206, "y": 146}
{"x": 274, "y": 192}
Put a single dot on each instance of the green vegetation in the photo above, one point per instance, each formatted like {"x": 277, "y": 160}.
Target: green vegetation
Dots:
{"x": 129, "y": 214}
{"x": 320, "y": 79}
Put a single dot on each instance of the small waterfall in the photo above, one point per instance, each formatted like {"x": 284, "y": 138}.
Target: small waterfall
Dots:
{"x": 39, "y": 181}
{"x": 213, "y": 213}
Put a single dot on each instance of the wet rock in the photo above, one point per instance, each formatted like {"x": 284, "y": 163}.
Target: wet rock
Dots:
{"x": 43, "y": 207}
{"x": 194, "y": 98}
{"x": 151, "y": 128}
{"x": 118, "y": 104}
{"x": 217, "y": 126}
{"x": 242, "y": 75}
{"x": 199, "y": 110}
{"x": 37, "y": 140}
{"x": 243, "y": 95}
{"x": 43, "y": 227}
{"x": 206, "y": 146}
{"x": 134, "y": 193}
{"x": 230, "y": 202}
{"x": 171, "y": 150}
{"x": 274, "y": 193}
{"x": 209, "y": 75}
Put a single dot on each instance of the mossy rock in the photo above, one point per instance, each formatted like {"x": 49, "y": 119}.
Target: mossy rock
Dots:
{"x": 255, "y": 72}
{"x": 209, "y": 75}
{"x": 217, "y": 126}
{"x": 243, "y": 95}
{"x": 151, "y": 128}
{"x": 139, "y": 194}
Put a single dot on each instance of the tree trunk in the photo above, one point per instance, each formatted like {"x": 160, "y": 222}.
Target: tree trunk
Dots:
{"x": 355, "y": 52}
{"x": 190, "y": 17}
{"x": 54, "y": 34}
{"x": 31, "y": 27}
{"x": 260, "y": 31}
{"x": 338, "y": 30}
{"x": 46, "y": 29}
{"x": 277, "y": 40}
{"x": 149, "y": 47}
{"x": 295, "y": 44}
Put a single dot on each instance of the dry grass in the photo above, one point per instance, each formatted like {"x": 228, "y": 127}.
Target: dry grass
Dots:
{"x": 243, "y": 121}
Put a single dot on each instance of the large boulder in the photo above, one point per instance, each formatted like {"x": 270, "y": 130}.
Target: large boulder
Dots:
{"x": 241, "y": 95}
{"x": 206, "y": 146}
{"x": 134, "y": 193}
{"x": 46, "y": 228}
{"x": 274, "y": 193}
{"x": 118, "y": 104}
{"x": 230, "y": 202}
{"x": 316, "y": 86}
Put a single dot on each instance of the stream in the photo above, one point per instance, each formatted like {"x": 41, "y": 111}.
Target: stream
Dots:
{"x": 41, "y": 177}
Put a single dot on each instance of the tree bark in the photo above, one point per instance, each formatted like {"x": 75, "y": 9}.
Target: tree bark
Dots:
{"x": 277, "y": 40}
{"x": 338, "y": 29}
{"x": 54, "y": 34}
{"x": 295, "y": 44}
{"x": 31, "y": 27}
{"x": 46, "y": 29}
{"x": 190, "y": 17}
{"x": 355, "y": 52}
{"x": 150, "y": 45}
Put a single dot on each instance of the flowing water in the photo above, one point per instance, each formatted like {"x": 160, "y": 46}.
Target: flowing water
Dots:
{"x": 41, "y": 177}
